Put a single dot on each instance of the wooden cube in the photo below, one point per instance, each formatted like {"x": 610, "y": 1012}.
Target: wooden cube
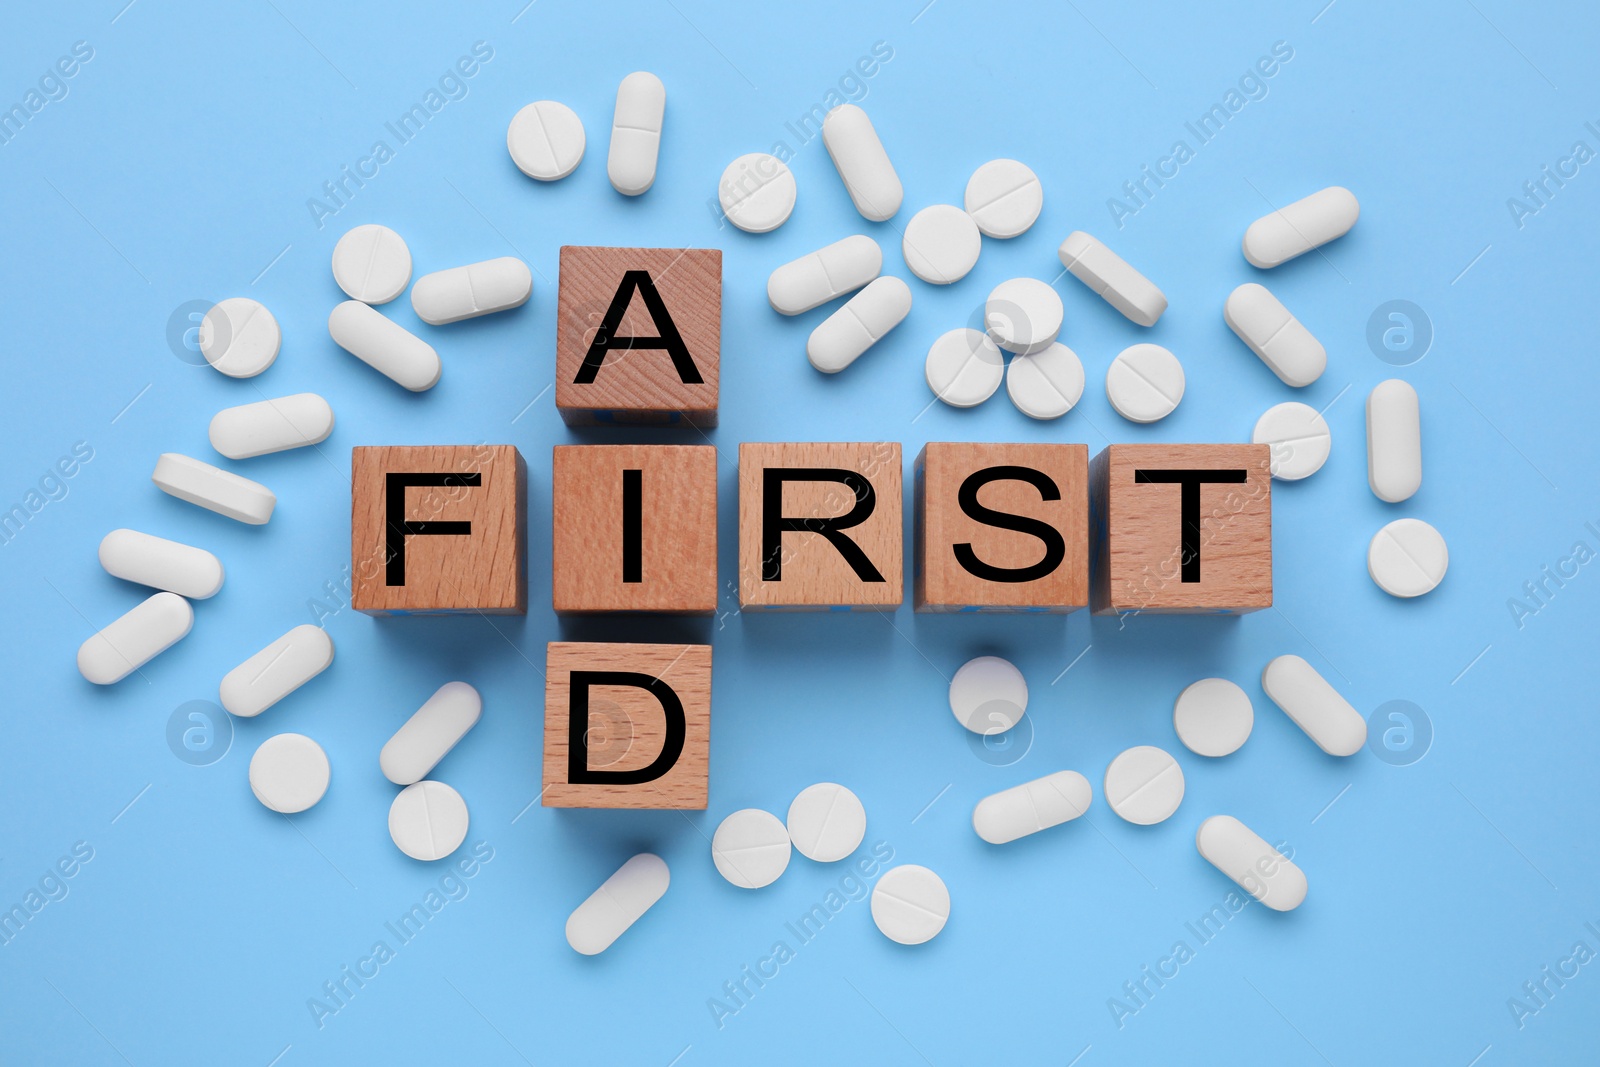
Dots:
{"x": 638, "y": 335}
{"x": 438, "y": 529}
{"x": 1001, "y": 527}
{"x": 626, "y": 726}
{"x": 1181, "y": 529}
{"x": 819, "y": 526}
{"x": 634, "y": 528}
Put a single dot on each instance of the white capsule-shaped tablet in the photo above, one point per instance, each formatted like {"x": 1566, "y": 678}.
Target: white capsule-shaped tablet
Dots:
{"x": 1144, "y": 785}
{"x": 289, "y": 773}
{"x": 149, "y": 628}
{"x": 1314, "y": 705}
{"x": 988, "y": 695}
{"x": 1300, "y": 227}
{"x": 239, "y": 337}
{"x": 276, "y": 425}
{"x": 1045, "y": 384}
{"x": 447, "y": 296}
{"x": 1213, "y": 717}
{"x": 213, "y": 488}
{"x": 964, "y": 368}
{"x": 751, "y": 848}
{"x": 431, "y": 732}
{"x": 841, "y": 338}
{"x": 1145, "y": 383}
{"x": 1299, "y": 438}
{"x": 1394, "y": 441}
{"x": 546, "y": 140}
{"x": 820, "y": 276}
{"x": 862, "y": 163}
{"x": 1262, "y": 322}
{"x": 636, "y": 133}
{"x": 910, "y": 904}
{"x": 1259, "y": 869}
{"x": 276, "y": 671}
{"x": 1407, "y": 558}
{"x": 757, "y": 192}
{"x": 428, "y": 821}
{"x": 1004, "y": 198}
{"x": 161, "y": 564}
{"x": 1023, "y": 315}
{"x": 372, "y": 264}
{"x": 1112, "y": 278}
{"x": 1032, "y": 806}
{"x": 384, "y": 345}
{"x": 941, "y": 244}
{"x": 826, "y": 822}
{"x": 619, "y": 903}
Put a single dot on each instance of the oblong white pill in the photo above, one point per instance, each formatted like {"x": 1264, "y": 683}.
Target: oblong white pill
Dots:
{"x": 1112, "y": 278}
{"x": 447, "y": 296}
{"x": 266, "y": 426}
{"x": 820, "y": 276}
{"x": 1262, "y": 322}
{"x": 636, "y": 133}
{"x": 161, "y": 564}
{"x": 428, "y": 821}
{"x": 757, "y": 192}
{"x": 1004, "y": 198}
{"x": 431, "y": 732}
{"x": 1144, "y": 785}
{"x": 1314, "y": 705}
{"x": 1394, "y": 441}
{"x": 1213, "y": 717}
{"x": 988, "y": 695}
{"x": 910, "y": 904}
{"x": 213, "y": 488}
{"x": 372, "y": 264}
{"x": 750, "y": 848}
{"x": 1407, "y": 558}
{"x": 841, "y": 338}
{"x": 859, "y": 157}
{"x": 289, "y": 773}
{"x": 1045, "y": 384}
{"x": 1259, "y": 869}
{"x": 964, "y": 367}
{"x": 239, "y": 337}
{"x": 1299, "y": 438}
{"x": 1144, "y": 383}
{"x": 546, "y": 140}
{"x": 826, "y": 822}
{"x": 276, "y": 671}
{"x": 149, "y": 628}
{"x": 1023, "y": 315}
{"x": 384, "y": 345}
{"x": 1303, "y": 225}
{"x": 941, "y": 244}
{"x": 619, "y": 903}
{"x": 1032, "y": 806}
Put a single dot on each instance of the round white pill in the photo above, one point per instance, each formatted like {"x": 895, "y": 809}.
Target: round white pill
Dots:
{"x": 1144, "y": 785}
{"x": 941, "y": 244}
{"x": 827, "y": 822}
{"x": 428, "y": 820}
{"x": 239, "y": 337}
{"x": 750, "y": 848}
{"x": 910, "y": 904}
{"x": 1045, "y": 385}
{"x": 1407, "y": 558}
{"x": 1299, "y": 438}
{"x": 545, "y": 140}
{"x": 1004, "y": 198}
{"x": 1023, "y": 315}
{"x": 289, "y": 773}
{"x": 988, "y": 695}
{"x": 757, "y": 192}
{"x": 1213, "y": 717}
{"x": 964, "y": 368}
{"x": 372, "y": 264}
{"x": 1144, "y": 383}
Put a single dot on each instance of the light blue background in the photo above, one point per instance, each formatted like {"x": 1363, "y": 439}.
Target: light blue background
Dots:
{"x": 178, "y": 168}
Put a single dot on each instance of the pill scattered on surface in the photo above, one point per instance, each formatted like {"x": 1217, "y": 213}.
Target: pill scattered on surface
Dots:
{"x": 1262, "y": 322}
{"x": 988, "y": 695}
{"x": 266, "y": 426}
{"x": 1144, "y": 785}
{"x": 447, "y": 296}
{"x": 1144, "y": 383}
{"x": 546, "y": 140}
{"x": 841, "y": 338}
{"x": 619, "y": 903}
{"x": 820, "y": 276}
{"x": 1394, "y": 441}
{"x": 1300, "y": 227}
{"x": 1299, "y": 438}
{"x": 276, "y": 671}
{"x": 1032, "y": 806}
{"x": 1112, "y": 278}
{"x": 384, "y": 345}
{"x": 372, "y": 264}
{"x": 636, "y": 133}
{"x": 859, "y": 157}
{"x": 213, "y": 488}
{"x": 941, "y": 244}
{"x": 751, "y": 848}
{"x": 964, "y": 368}
{"x": 161, "y": 564}
{"x": 1244, "y": 856}
{"x": 1045, "y": 384}
{"x": 1004, "y": 198}
{"x": 1314, "y": 705}
{"x": 910, "y": 904}
{"x": 289, "y": 773}
{"x": 826, "y": 822}
{"x": 1407, "y": 558}
{"x": 757, "y": 192}
{"x": 428, "y": 821}
{"x": 431, "y": 732}
{"x": 1213, "y": 717}
{"x": 148, "y": 629}
{"x": 1023, "y": 315}
{"x": 239, "y": 337}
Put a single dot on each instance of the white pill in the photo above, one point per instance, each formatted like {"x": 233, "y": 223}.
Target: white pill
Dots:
{"x": 941, "y": 244}
{"x": 1023, "y": 315}
{"x": 1045, "y": 384}
{"x": 1300, "y": 227}
{"x": 820, "y": 276}
{"x": 384, "y": 345}
{"x": 545, "y": 140}
{"x": 161, "y": 564}
{"x": 636, "y": 133}
{"x": 1262, "y": 322}
{"x": 1394, "y": 441}
{"x": 619, "y": 903}
{"x": 1299, "y": 438}
{"x": 1213, "y": 717}
{"x": 149, "y": 628}
{"x": 428, "y": 821}
{"x": 431, "y": 732}
{"x": 1144, "y": 383}
{"x": 862, "y": 163}
{"x": 826, "y": 822}
{"x": 1112, "y": 278}
{"x": 910, "y": 904}
{"x": 1407, "y": 558}
{"x": 239, "y": 337}
{"x": 372, "y": 264}
{"x": 757, "y": 192}
{"x": 276, "y": 671}
{"x": 964, "y": 368}
{"x": 1004, "y": 198}
{"x": 988, "y": 695}
{"x": 289, "y": 773}
{"x": 1032, "y": 806}
{"x": 1259, "y": 869}
{"x": 1144, "y": 785}
{"x": 266, "y": 426}
{"x": 213, "y": 488}
{"x": 841, "y": 338}
{"x": 1314, "y": 705}
{"x": 750, "y": 848}
{"x": 447, "y": 296}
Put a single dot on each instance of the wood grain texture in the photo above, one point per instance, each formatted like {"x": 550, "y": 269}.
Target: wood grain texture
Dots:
{"x": 942, "y": 584}
{"x": 676, "y": 529}
{"x": 1138, "y": 531}
{"x": 642, "y": 385}
{"x": 481, "y": 571}
{"x": 626, "y": 725}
